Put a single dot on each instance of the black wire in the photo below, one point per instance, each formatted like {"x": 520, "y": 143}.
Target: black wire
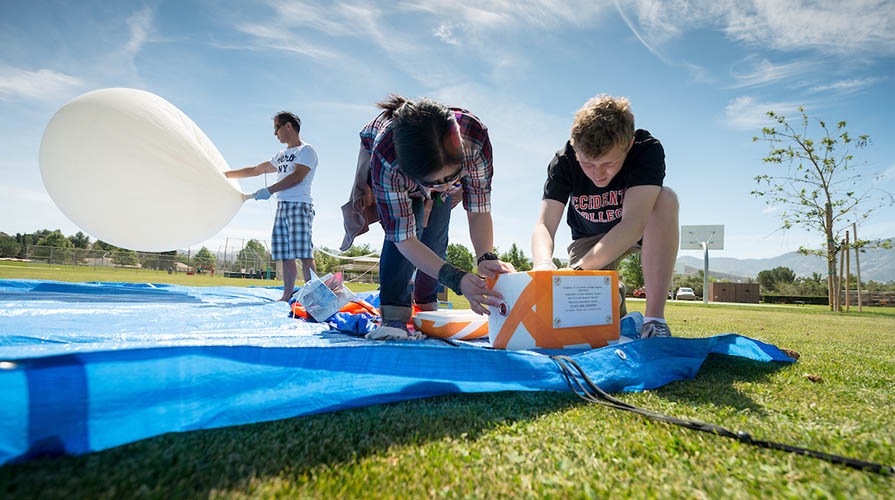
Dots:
{"x": 589, "y": 391}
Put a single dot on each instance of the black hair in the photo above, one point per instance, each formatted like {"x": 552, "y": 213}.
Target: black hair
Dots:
{"x": 417, "y": 134}
{"x": 284, "y": 117}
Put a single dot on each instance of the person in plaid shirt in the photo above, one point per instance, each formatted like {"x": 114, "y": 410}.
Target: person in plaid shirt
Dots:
{"x": 424, "y": 158}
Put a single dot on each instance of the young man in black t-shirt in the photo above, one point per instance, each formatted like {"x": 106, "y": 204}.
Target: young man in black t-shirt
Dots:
{"x": 611, "y": 176}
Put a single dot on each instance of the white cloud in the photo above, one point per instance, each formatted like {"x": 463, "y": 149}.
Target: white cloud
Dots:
{"x": 887, "y": 175}
{"x": 510, "y": 15}
{"x": 116, "y": 56}
{"x": 141, "y": 26}
{"x": 272, "y": 37}
{"x": 745, "y": 113}
{"x": 855, "y": 30}
{"x": 857, "y": 27}
{"x": 445, "y": 34}
{"x": 698, "y": 73}
{"x": 847, "y": 86}
{"x": 644, "y": 39}
{"x": 763, "y": 72}
{"x": 44, "y": 84}
{"x": 292, "y": 25}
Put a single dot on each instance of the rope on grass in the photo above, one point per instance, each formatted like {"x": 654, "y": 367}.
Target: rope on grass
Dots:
{"x": 586, "y": 389}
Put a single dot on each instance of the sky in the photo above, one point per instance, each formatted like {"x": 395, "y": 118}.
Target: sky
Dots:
{"x": 700, "y": 76}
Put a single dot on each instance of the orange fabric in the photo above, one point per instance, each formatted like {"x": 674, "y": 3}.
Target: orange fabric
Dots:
{"x": 353, "y": 307}
{"x": 452, "y": 330}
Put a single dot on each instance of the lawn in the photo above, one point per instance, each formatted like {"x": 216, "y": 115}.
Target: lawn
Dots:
{"x": 839, "y": 398}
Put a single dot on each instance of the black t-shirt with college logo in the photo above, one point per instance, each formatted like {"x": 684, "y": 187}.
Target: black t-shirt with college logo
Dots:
{"x": 594, "y": 210}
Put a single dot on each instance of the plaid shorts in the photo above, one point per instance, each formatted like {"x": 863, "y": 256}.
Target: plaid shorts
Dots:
{"x": 292, "y": 231}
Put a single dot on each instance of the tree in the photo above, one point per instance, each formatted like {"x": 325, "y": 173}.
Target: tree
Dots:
{"x": 460, "y": 256}
{"x": 772, "y": 280}
{"x": 9, "y": 247}
{"x": 630, "y": 271}
{"x": 253, "y": 256}
{"x": 24, "y": 241}
{"x": 818, "y": 187}
{"x": 124, "y": 257}
{"x": 54, "y": 247}
{"x": 204, "y": 258}
{"x": 102, "y": 245}
{"x": 80, "y": 240}
{"x": 517, "y": 258}
{"x": 696, "y": 282}
{"x": 41, "y": 234}
{"x": 158, "y": 260}
{"x": 326, "y": 262}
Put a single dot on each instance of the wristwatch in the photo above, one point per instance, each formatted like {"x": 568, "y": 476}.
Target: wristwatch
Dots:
{"x": 486, "y": 256}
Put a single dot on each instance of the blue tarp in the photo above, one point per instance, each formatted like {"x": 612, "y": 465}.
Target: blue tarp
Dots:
{"x": 89, "y": 366}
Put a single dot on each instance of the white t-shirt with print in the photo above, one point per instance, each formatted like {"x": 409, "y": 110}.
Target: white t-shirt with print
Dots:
{"x": 285, "y": 162}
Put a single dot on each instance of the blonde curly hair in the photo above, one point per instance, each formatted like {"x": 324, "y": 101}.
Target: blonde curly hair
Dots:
{"x": 603, "y": 123}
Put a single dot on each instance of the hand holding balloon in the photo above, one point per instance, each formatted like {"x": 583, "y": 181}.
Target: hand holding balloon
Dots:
{"x": 261, "y": 194}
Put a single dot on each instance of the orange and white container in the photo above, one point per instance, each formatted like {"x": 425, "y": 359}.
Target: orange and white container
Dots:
{"x": 455, "y": 324}
{"x": 560, "y": 309}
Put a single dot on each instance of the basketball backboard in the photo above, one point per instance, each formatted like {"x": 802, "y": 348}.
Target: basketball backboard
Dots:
{"x": 692, "y": 237}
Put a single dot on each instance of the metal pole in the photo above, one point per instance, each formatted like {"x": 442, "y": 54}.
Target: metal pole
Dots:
{"x": 857, "y": 266}
{"x": 847, "y": 272}
{"x": 839, "y": 282}
{"x": 705, "y": 274}
{"x": 831, "y": 255}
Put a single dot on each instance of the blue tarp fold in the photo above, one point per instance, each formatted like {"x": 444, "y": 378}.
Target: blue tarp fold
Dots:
{"x": 89, "y": 366}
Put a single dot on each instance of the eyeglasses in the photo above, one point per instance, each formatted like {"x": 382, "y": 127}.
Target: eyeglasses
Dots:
{"x": 443, "y": 184}
{"x": 276, "y": 128}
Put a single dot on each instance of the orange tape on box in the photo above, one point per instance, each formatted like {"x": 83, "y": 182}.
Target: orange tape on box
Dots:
{"x": 555, "y": 310}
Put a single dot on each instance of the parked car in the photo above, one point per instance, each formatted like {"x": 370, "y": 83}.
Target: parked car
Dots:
{"x": 641, "y": 293}
{"x": 685, "y": 293}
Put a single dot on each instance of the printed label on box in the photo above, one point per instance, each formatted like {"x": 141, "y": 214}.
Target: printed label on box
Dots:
{"x": 582, "y": 301}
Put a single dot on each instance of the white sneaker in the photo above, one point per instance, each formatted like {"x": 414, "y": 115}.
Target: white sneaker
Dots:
{"x": 655, "y": 329}
{"x": 394, "y": 330}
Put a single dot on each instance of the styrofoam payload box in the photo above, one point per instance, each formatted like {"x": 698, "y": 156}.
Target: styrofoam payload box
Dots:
{"x": 560, "y": 309}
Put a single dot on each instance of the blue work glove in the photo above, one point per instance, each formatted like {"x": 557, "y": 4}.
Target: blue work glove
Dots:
{"x": 261, "y": 194}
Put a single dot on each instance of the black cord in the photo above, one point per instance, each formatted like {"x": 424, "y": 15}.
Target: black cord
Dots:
{"x": 590, "y": 392}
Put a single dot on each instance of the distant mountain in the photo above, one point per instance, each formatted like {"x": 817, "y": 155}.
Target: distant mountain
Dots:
{"x": 876, "y": 264}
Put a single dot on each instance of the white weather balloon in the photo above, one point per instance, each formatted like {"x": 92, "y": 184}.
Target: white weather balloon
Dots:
{"x": 129, "y": 168}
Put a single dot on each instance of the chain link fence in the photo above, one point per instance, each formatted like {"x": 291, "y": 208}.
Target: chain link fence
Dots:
{"x": 251, "y": 261}
{"x": 245, "y": 262}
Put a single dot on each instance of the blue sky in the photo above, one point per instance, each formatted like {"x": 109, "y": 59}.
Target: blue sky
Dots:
{"x": 700, "y": 76}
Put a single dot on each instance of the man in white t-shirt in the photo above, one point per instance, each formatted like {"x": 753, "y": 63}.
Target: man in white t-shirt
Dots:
{"x": 295, "y": 167}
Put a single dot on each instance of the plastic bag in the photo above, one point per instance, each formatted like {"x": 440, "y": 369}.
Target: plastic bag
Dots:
{"x": 323, "y": 297}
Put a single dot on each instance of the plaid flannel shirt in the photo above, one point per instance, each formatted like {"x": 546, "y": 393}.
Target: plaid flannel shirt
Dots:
{"x": 394, "y": 189}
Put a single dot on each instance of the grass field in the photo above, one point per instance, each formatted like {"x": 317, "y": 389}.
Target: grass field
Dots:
{"x": 839, "y": 398}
